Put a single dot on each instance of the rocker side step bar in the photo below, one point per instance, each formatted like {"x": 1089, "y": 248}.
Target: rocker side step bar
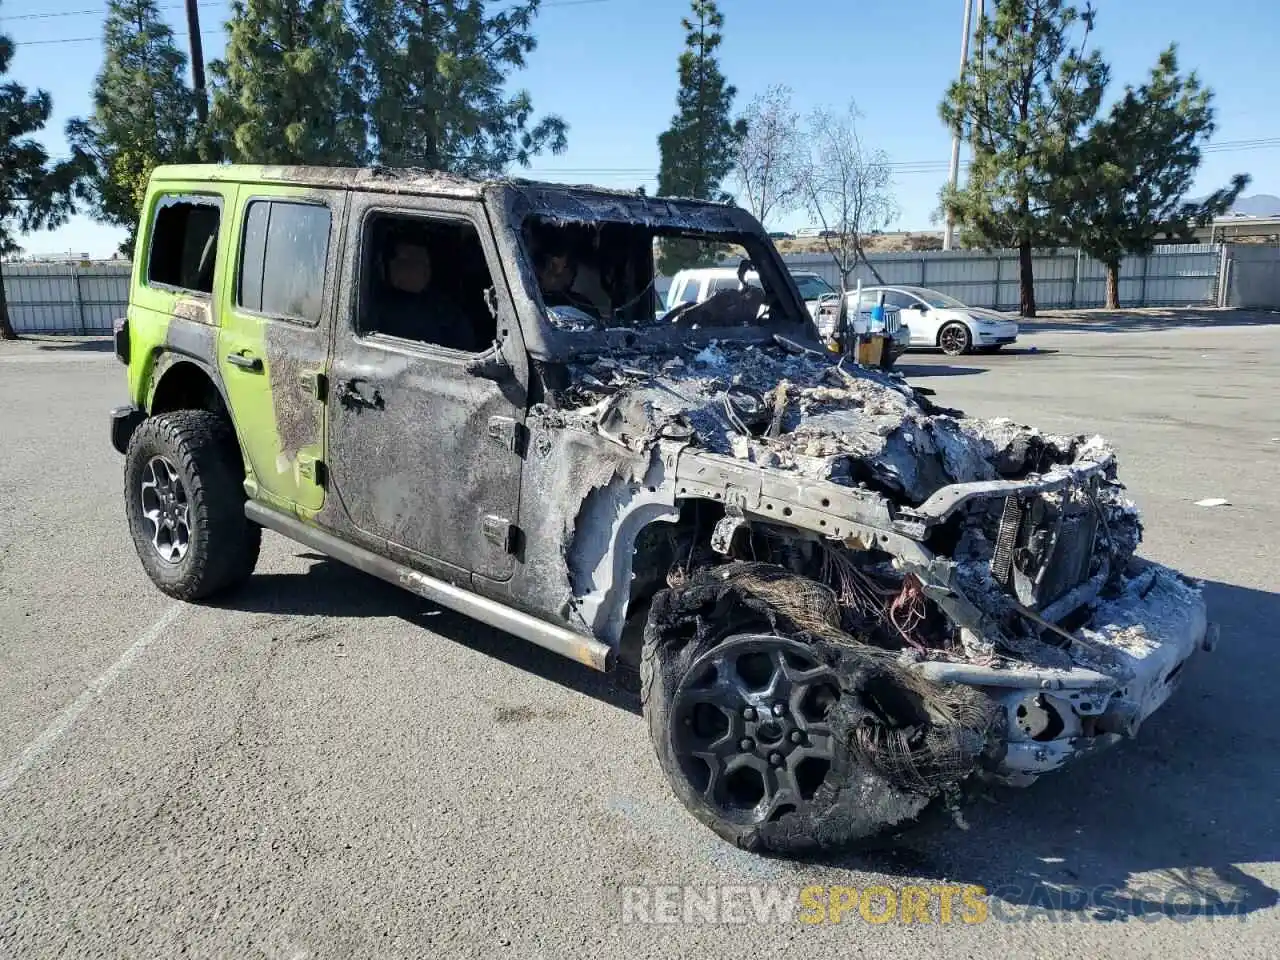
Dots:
{"x": 575, "y": 646}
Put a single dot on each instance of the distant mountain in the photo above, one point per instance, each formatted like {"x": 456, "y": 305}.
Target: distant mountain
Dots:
{"x": 1259, "y": 205}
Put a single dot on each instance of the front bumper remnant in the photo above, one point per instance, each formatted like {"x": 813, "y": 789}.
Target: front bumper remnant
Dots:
{"x": 1127, "y": 661}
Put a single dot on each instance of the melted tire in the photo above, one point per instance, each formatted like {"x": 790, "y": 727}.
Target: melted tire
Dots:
{"x": 224, "y": 544}
{"x": 855, "y": 803}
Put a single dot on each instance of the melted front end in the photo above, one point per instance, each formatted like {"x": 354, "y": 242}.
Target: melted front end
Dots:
{"x": 976, "y": 552}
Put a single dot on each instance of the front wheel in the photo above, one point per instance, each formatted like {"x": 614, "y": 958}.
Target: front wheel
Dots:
{"x": 778, "y": 738}
{"x": 184, "y": 497}
{"x": 955, "y": 339}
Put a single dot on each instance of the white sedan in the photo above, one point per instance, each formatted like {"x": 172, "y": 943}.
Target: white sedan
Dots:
{"x": 937, "y": 320}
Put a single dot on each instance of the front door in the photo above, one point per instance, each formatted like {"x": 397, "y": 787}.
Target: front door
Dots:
{"x": 273, "y": 344}
{"x": 425, "y": 411}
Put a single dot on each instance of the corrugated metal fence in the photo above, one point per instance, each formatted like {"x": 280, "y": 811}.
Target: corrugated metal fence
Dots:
{"x": 1252, "y": 275}
{"x": 86, "y": 297}
{"x": 66, "y": 297}
{"x": 1176, "y": 275}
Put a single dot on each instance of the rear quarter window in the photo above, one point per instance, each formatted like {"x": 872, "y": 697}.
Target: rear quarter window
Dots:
{"x": 184, "y": 243}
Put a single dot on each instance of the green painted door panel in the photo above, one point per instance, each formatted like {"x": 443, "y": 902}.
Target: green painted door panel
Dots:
{"x": 273, "y": 344}
{"x": 163, "y": 316}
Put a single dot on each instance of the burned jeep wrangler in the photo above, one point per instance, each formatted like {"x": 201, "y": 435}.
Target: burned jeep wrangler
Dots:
{"x": 844, "y": 601}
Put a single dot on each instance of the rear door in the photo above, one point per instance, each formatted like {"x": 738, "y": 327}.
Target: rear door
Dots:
{"x": 181, "y": 261}
{"x": 274, "y": 340}
{"x": 425, "y": 439}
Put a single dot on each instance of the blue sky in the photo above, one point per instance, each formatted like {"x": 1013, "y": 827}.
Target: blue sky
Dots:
{"x": 609, "y": 68}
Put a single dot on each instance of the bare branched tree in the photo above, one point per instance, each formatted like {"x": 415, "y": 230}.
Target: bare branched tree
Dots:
{"x": 846, "y": 188}
{"x": 769, "y": 155}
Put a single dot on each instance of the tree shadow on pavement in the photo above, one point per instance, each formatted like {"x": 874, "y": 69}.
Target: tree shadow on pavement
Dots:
{"x": 81, "y": 346}
{"x": 1154, "y": 827}
{"x": 332, "y": 589}
{"x": 1144, "y": 320}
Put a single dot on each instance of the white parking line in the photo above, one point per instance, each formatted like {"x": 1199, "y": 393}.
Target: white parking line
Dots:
{"x": 51, "y": 734}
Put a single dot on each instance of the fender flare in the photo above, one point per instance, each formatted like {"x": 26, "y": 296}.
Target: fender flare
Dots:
{"x": 166, "y": 359}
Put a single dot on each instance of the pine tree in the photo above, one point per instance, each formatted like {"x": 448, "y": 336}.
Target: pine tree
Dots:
{"x": 698, "y": 150}
{"x": 289, "y": 88}
{"x": 1132, "y": 174}
{"x": 436, "y": 81}
{"x": 34, "y": 193}
{"x": 1022, "y": 106}
{"x": 143, "y": 115}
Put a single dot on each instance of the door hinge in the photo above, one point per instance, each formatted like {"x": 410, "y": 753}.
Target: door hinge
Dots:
{"x": 313, "y": 469}
{"x": 316, "y": 384}
{"x": 501, "y": 531}
{"x": 507, "y": 433}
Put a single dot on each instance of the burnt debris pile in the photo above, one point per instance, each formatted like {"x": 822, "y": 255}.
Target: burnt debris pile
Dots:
{"x": 788, "y": 407}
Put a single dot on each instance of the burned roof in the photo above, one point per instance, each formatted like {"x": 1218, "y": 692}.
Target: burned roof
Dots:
{"x": 624, "y": 204}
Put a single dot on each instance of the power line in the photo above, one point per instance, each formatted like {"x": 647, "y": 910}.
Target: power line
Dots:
{"x": 97, "y": 11}
{"x": 1233, "y": 146}
{"x": 203, "y": 33}
{"x": 98, "y": 38}
{"x": 644, "y": 174}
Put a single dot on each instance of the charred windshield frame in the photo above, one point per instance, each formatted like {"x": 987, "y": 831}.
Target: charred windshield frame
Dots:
{"x": 602, "y": 275}
{"x": 590, "y": 209}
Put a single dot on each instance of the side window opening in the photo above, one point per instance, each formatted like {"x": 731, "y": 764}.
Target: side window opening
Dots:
{"x": 690, "y": 292}
{"x": 284, "y": 259}
{"x": 184, "y": 243}
{"x": 429, "y": 281}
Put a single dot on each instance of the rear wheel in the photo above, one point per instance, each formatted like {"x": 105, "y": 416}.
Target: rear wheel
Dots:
{"x": 184, "y": 497}
{"x": 954, "y": 339}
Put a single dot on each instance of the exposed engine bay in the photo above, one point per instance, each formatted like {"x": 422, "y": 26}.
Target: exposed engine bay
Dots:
{"x": 845, "y": 601}
{"x": 977, "y": 578}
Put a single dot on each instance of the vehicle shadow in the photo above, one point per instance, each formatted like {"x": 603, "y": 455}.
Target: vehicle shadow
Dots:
{"x": 1155, "y": 826}
{"x": 935, "y": 370}
{"x": 988, "y": 356}
{"x": 332, "y": 589}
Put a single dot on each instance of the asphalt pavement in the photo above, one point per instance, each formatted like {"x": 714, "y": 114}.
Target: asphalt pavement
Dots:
{"x": 323, "y": 766}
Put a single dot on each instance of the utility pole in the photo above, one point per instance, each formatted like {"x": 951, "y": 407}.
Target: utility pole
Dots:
{"x": 948, "y": 237}
{"x": 982, "y": 43}
{"x": 197, "y": 64}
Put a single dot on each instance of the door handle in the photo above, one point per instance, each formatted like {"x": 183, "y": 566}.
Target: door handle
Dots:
{"x": 245, "y": 362}
{"x": 351, "y": 398}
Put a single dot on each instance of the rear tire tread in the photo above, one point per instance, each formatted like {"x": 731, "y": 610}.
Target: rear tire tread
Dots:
{"x": 224, "y": 543}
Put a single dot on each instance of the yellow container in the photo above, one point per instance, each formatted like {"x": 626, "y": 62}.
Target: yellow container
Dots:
{"x": 871, "y": 350}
